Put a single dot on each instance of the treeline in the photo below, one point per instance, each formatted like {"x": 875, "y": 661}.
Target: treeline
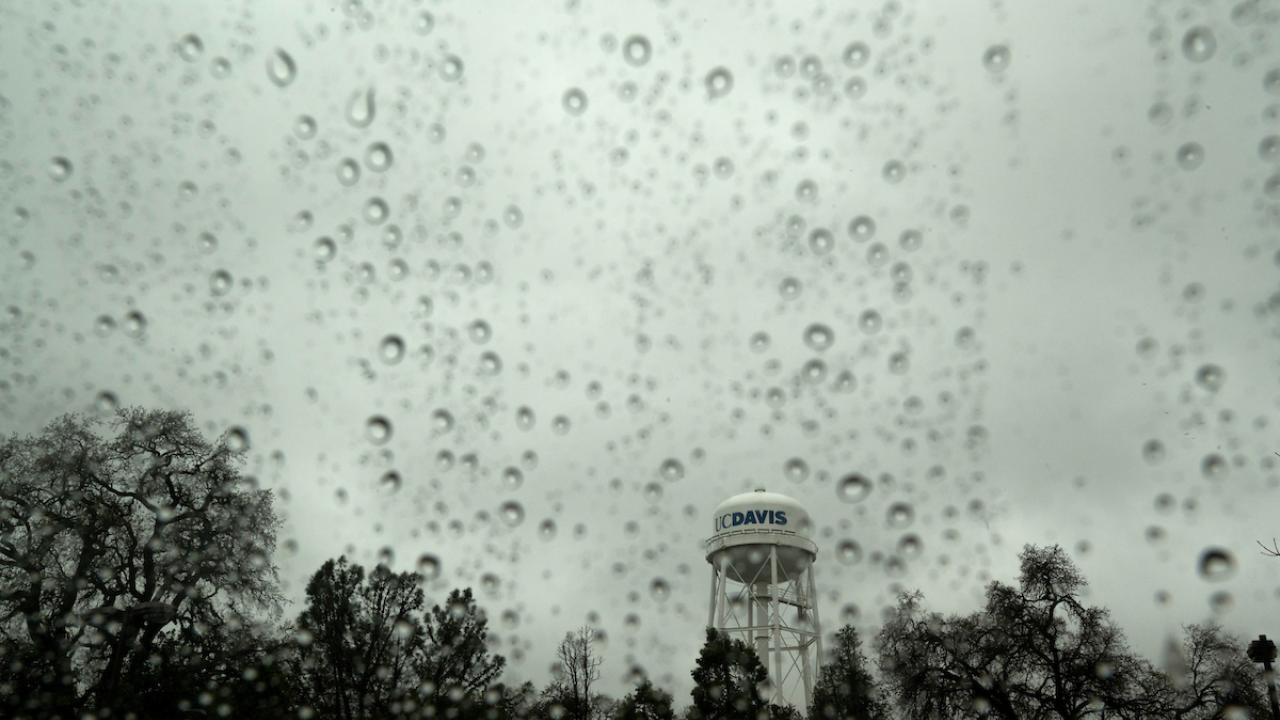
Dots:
{"x": 136, "y": 581}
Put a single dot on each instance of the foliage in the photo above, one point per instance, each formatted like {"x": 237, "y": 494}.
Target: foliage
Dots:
{"x": 107, "y": 541}
{"x": 1033, "y": 651}
{"x": 646, "y": 702}
{"x": 727, "y": 680}
{"x": 845, "y": 689}
{"x": 367, "y": 650}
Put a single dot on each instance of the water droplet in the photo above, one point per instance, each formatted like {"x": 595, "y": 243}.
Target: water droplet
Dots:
{"x": 428, "y": 566}
{"x": 759, "y": 341}
{"x": 376, "y": 210}
{"x": 853, "y": 488}
{"x": 60, "y": 169}
{"x": 513, "y": 217}
{"x": 281, "y": 69}
{"x": 1213, "y": 466}
{"x": 135, "y": 324}
{"x": 659, "y": 589}
{"x": 848, "y": 552}
{"x": 796, "y": 470}
{"x": 525, "y": 418}
{"x": 636, "y": 50}
{"x": 305, "y": 127}
{"x": 190, "y": 47}
{"x": 894, "y": 171}
{"x": 1153, "y": 451}
{"x": 910, "y": 240}
{"x": 325, "y": 249}
{"x": 814, "y": 371}
{"x": 362, "y": 108}
{"x": 424, "y": 23}
{"x": 818, "y": 337}
{"x": 856, "y": 54}
{"x": 1271, "y": 81}
{"x": 441, "y": 421}
{"x": 1190, "y": 156}
{"x": 451, "y": 69}
{"x": 899, "y": 363}
{"x": 1216, "y": 564}
{"x": 789, "y": 288}
{"x": 996, "y": 58}
{"x": 845, "y": 381}
{"x": 377, "y": 430}
{"x": 547, "y": 529}
{"x": 479, "y": 332}
{"x": 1210, "y": 377}
{"x": 391, "y": 349}
{"x": 899, "y": 515}
{"x": 104, "y": 325}
{"x": 512, "y": 513}
{"x": 862, "y": 228}
{"x": 719, "y": 83}
{"x": 869, "y": 322}
{"x": 1199, "y": 44}
{"x": 574, "y": 101}
{"x": 348, "y": 171}
{"x": 671, "y": 469}
{"x": 220, "y": 282}
{"x": 391, "y": 480}
{"x": 377, "y": 157}
{"x": 821, "y": 241}
{"x": 106, "y": 402}
{"x": 1269, "y": 148}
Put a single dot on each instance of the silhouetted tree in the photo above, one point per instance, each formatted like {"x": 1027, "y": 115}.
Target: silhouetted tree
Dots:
{"x": 727, "y": 680}
{"x": 845, "y": 689}
{"x": 228, "y": 671}
{"x": 358, "y": 639}
{"x": 1034, "y": 651}
{"x": 108, "y": 543}
{"x": 577, "y": 670}
{"x": 1207, "y": 677}
{"x": 646, "y": 702}
{"x": 453, "y": 663}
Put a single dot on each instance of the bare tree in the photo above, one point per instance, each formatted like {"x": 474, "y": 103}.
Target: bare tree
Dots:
{"x": 578, "y": 668}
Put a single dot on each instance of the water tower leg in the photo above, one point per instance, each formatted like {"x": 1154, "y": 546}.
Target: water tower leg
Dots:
{"x": 817, "y": 625}
{"x": 711, "y": 606}
{"x": 721, "y": 601}
{"x": 775, "y": 621}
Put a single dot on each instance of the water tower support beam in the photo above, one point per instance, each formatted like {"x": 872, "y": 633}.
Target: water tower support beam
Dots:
{"x": 775, "y": 619}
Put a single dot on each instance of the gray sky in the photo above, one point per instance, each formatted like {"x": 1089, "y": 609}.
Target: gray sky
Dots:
{"x": 622, "y": 256}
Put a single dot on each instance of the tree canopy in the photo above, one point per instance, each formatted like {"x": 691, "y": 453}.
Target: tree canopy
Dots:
{"x": 106, "y": 541}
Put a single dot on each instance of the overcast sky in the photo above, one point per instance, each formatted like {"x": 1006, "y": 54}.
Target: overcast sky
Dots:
{"x": 580, "y": 258}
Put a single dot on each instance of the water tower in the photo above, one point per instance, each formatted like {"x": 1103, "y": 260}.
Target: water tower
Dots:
{"x": 762, "y": 587}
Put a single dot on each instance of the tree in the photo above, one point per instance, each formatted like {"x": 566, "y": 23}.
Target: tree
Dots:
{"x": 1033, "y": 651}
{"x": 107, "y": 541}
{"x": 454, "y": 665}
{"x": 646, "y": 702}
{"x": 577, "y": 668}
{"x": 845, "y": 689}
{"x": 359, "y": 636}
{"x": 1207, "y": 676}
{"x": 727, "y": 680}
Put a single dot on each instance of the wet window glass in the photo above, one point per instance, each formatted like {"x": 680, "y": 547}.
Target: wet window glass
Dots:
{"x": 586, "y": 359}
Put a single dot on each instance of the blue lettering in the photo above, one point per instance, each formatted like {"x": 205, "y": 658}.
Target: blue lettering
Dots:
{"x": 737, "y": 519}
{"x": 780, "y": 517}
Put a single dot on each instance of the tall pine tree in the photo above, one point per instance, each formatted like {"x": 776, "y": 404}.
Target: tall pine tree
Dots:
{"x": 845, "y": 689}
{"x": 727, "y": 680}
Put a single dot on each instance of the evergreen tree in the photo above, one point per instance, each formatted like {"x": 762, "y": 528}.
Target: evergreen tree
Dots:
{"x": 646, "y": 702}
{"x": 845, "y": 689}
{"x": 727, "y": 680}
